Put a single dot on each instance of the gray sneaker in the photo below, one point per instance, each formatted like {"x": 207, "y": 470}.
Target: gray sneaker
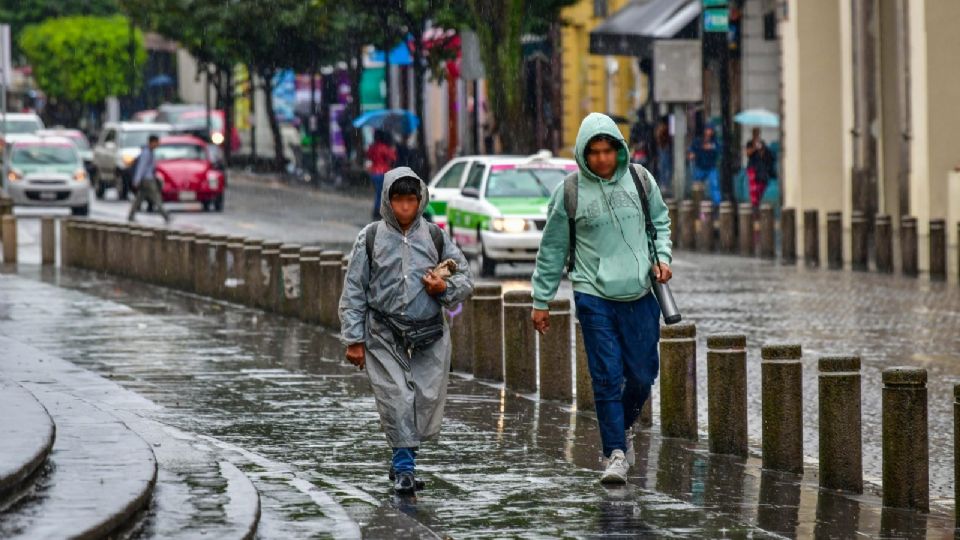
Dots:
{"x": 617, "y": 468}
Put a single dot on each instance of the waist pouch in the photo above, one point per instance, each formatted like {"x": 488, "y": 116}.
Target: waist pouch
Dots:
{"x": 412, "y": 334}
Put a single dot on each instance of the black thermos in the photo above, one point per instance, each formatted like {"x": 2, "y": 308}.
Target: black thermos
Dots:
{"x": 668, "y": 306}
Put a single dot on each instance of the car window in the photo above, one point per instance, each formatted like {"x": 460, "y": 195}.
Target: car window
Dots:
{"x": 475, "y": 179}
{"x": 44, "y": 154}
{"x": 111, "y": 136}
{"x": 129, "y": 139}
{"x": 523, "y": 182}
{"x": 13, "y": 127}
{"x": 180, "y": 151}
{"x": 451, "y": 178}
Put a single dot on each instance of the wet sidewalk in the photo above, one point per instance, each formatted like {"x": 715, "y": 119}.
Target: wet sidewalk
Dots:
{"x": 275, "y": 399}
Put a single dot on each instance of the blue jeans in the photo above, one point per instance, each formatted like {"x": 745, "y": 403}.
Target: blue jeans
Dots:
{"x": 377, "y": 180}
{"x": 712, "y": 178}
{"x": 621, "y": 341}
{"x": 404, "y": 459}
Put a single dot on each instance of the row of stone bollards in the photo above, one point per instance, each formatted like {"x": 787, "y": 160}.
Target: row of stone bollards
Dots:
{"x": 8, "y": 237}
{"x": 492, "y": 338}
{"x": 287, "y": 279}
{"x": 702, "y": 226}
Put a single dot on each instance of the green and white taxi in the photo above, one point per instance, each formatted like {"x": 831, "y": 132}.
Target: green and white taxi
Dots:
{"x": 496, "y": 206}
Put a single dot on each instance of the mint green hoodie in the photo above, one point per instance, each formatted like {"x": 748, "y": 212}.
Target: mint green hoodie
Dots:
{"x": 612, "y": 256}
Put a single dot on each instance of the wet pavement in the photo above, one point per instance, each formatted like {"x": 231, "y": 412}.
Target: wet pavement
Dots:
{"x": 275, "y": 400}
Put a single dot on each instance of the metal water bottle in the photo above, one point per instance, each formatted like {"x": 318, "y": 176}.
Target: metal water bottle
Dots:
{"x": 668, "y": 306}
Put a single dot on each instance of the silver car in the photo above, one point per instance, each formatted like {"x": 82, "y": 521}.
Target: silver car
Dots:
{"x": 46, "y": 171}
{"x": 117, "y": 150}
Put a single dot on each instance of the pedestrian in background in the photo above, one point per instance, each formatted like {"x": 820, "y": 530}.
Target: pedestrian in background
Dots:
{"x": 611, "y": 272}
{"x": 145, "y": 181}
{"x": 759, "y": 160}
{"x": 705, "y": 154}
{"x": 381, "y": 156}
{"x": 391, "y": 319}
{"x": 664, "y": 142}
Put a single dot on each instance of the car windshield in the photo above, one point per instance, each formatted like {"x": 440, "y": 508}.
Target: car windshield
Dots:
{"x": 166, "y": 152}
{"x": 129, "y": 139}
{"x": 22, "y": 126}
{"x": 194, "y": 120}
{"x": 77, "y": 138}
{"x": 524, "y": 182}
{"x": 44, "y": 154}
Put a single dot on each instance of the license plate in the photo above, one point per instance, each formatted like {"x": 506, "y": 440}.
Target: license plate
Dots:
{"x": 48, "y": 196}
{"x": 188, "y": 196}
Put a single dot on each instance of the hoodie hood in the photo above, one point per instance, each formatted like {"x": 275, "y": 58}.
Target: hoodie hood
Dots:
{"x": 599, "y": 124}
{"x": 386, "y": 211}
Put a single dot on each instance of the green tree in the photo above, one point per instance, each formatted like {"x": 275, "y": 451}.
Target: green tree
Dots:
{"x": 21, "y": 13}
{"x": 82, "y": 60}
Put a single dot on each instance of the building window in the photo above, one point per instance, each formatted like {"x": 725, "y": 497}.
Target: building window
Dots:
{"x": 600, "y": 8}
{"x": 770, "y": 26}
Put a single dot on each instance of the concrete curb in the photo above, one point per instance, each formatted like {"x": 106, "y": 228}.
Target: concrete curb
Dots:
{"x": 28, "y": 436}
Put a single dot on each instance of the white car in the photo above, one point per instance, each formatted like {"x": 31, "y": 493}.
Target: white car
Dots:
{"x": 497, "y": 208}
{"x": 78, "y": 139}
{"x": 19, "y": 126}
{"x": 46, "y": 171}
{"x": 116, "y": 150}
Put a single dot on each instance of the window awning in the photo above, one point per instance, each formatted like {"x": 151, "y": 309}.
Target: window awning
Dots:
{"x": 631, "y": 30}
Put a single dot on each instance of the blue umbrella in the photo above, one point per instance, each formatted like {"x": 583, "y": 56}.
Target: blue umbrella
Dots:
{"x": 399, "y": 121}
{"x": 399, "y": 56}
{"x": 757, "y": 117}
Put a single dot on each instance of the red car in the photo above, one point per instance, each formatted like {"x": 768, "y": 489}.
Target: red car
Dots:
{"x": 190, "y": 172}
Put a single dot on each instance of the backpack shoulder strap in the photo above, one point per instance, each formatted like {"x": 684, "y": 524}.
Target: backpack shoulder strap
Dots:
{"x": 571, "y": 195}
{"x": 371, "y": 237}
{"x": 436, "y": 234}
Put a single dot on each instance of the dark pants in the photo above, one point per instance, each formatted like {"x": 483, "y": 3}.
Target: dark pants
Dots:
{"x": 149, "y": 191}
{"x": 621, "y": 341}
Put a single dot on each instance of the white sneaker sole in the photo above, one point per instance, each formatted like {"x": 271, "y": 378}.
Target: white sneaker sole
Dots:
{"x": 613, "y": 478}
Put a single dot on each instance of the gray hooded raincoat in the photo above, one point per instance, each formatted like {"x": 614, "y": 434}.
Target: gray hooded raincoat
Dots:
{"x": 410, "y": 402}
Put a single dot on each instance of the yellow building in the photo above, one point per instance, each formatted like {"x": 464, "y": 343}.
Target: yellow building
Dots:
{"x": 591, "y": 83}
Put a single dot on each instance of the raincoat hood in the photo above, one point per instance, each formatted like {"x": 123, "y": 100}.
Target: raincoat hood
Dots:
{"x": 386, "y": 211}
{"x": 593, "y": 125}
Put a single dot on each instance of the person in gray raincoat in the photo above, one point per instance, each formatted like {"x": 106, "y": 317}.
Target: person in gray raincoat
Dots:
{"x": 391, "y": 319}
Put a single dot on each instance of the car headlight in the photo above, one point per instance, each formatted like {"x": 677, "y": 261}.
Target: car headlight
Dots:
{"x": 217, "y": 138}
{"x": 14, "y": 175}
{"x": 128, "y": 160}
{"x": 213, "y": 179}
{"x": 80, "y": 175}
{"x": 509, "y": 225}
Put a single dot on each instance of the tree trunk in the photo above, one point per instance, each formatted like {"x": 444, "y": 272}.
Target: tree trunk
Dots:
{"x": 356, "y": 71}
{"x": 419, "y": 74}
{"x": 267, "y": 75}
{"x": 225, "y": 81}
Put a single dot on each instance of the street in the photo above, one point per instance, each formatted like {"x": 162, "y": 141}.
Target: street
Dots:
{"x": 276, "y": 394}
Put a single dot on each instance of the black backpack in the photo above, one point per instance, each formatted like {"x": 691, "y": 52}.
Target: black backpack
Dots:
{"x": 436, "y": 234}
{"x": 571, "y": 193}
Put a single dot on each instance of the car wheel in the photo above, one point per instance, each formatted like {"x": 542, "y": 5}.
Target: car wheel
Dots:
{"x": 80, "y": 210}
{"x": 218, "y": 203}
{"x": 488, "y": 265}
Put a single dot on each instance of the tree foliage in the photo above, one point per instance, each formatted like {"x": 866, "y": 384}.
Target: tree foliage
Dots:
{"x": 22, "y": 13}
{"x": 83, "y": 59}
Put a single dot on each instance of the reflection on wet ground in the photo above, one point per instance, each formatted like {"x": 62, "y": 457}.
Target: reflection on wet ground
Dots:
{"x": 288, "y": 411}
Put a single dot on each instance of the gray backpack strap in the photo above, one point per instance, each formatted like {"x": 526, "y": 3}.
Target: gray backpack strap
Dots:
{"x": 571, "y": 195}
{"x": 436, "y": 234}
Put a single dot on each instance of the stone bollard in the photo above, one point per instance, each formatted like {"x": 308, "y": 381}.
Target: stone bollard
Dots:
{"x": 782, "y": 398}
{"x": 727, "y": 394}
{"x": 811, "y": 238}
{"x": 519, "y": 353}
{"x": 218, "y": 254}
{"x": 310, "y": 284}
{"x": 835, "y": 240}
{"x": 768, "y": 233}
{"x": 9, "y": 234}
{"x": 728, "y": 231}
{"x": 233, "y": 273}
{"x": 745, "y": 233}
{"x": 461, "y": 337}
{"x": 905, "y": 449}
{"x": 288, "y": 282}
{"x": 697, "y": 193}
{"x": 688, "y": 219}
{"x": 705, "y": 235}
{"x": 788, "y": 236}
{"x": 859, "y": 253}
{"x": 582, "y": 376}
{"x": 148, "y": 255}
{"x": 329, "y": 299}
{"x": 883, "y": 236}
{"x": 938, "y": 249}
{"x": 171, "y": 262}
{"x": 184, "y": 261}
{"x": 674, "y": 213}
{"x": 678, "y": 381}
{"x": 556, "y": 370}
{"x": 101, "y": 238}
{"x": 48, "y": 241}
{"x": 841, "y": 445}
{"x": 66, "y": 254}
{"x": 201, "y": 264}
{"x": 74, "y": 242}
{"x": 488, "y": 331}
{"x": 270, "y": 263}
{"x": 252, "y": 272}
{"x": 908, "y": 246}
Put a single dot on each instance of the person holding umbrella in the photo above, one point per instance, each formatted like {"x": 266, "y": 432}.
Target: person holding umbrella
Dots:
{"x": 381, "y": 156}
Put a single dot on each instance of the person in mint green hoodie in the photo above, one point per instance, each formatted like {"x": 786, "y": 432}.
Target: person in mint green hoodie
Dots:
{"x": 612, "y": 268}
